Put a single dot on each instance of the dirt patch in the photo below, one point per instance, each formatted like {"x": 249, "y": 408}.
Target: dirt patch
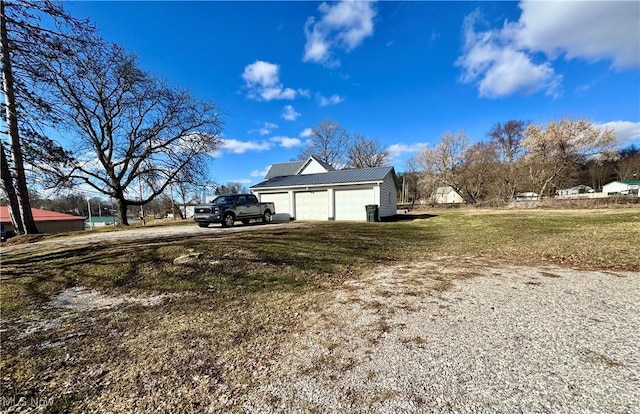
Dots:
{"x": 80, "y": 298}
{"x": 69, "y": 306}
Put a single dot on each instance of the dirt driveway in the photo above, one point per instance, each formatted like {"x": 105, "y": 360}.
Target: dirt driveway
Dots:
{"x": 141, "y": 233}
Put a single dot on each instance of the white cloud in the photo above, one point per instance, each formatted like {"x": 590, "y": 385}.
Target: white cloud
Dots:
{"x": 434, "y": 37}
{"x": 259, "y": 173}
{"x": 307, "y": 132}
{"x": 265, "y": 129}
{"x": 331, "y": 100}
{"x": 626, "y": 131}
{"x": 240, "y": 147}
{"x": 262, "y": 80}
{"x": 343, "y": 25}
{"x": 241, "y": 181}
{"x": 399, "y": 149}
{"x": 287, "y": 142}
{"x": 590, "y": 30}
{"x": 518, "y": 58}
{"x": 500, "y": 69}
{"x": 289, "y": 113}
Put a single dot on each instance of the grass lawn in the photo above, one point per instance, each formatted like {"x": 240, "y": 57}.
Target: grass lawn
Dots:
{"x": 225, "y": 315}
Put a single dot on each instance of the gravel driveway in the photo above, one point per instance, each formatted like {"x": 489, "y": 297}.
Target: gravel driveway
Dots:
{"x": 500, "y": 339}
{"x": 142, "y": 233}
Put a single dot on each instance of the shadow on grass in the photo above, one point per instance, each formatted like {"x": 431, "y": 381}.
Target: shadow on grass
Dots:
{"x": 408, "y": 217}
{"x": 282, "y": 260}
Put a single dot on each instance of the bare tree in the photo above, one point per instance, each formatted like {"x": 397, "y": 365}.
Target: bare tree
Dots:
{"x": 411, "y": 179}
{"x": 26, "y": 45}
{"x": 187, "y": 186}
{"x": 366, "y": 153}
{"x": 329, "y": 142}
{"x": 231, "y": 188}
{"x": 556, "y": 149}
{"x": 507, "y": 140}
{"x": 133, "y": 134}
{"x": 443, "y": 164}
{"x": 10, "y": 191}
{"x": 480, "y": 172}
{"x": 628, "y": 163}
{"x": 598, "y": 171}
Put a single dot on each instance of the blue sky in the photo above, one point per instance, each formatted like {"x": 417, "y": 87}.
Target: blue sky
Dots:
{"x": 400, "y": 72}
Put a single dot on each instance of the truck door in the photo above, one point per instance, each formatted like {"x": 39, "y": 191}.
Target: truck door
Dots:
{"x": 241, "y": 207}
{"x": 253, "y": 207}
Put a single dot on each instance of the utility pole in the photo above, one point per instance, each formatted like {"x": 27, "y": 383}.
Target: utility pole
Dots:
{"x": 141, "y": 209}
{"x": 173, "y": 208}
{"x": 89, "y": 208}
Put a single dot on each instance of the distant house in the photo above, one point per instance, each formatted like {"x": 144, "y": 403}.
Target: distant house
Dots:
{"x": 313, "y": 190}
{"x": 578, "y": 189}
{"x": 446, "y": 195}
{"x": 621, "y": 187}
{"x": 46, "y": 221}
{"x": 527, "y": 196}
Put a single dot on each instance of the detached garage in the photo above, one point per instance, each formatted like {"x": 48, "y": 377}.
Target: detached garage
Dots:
{"x": 46, "y": 221}
{"x": 331, "y": 195}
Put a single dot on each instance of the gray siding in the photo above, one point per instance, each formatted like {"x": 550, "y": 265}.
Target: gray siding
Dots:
{"x": 388, "y": 197}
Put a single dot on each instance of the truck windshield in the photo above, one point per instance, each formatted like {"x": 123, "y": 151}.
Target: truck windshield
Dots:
{"x": 222, "y": 200}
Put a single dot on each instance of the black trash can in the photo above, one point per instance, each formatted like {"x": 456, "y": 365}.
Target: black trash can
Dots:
{"x": 372, "y": 213}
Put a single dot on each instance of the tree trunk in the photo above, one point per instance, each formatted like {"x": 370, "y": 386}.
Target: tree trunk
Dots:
{"x": 7, "y": 185}
{"x": 123, "y": 205}
{"x": 22, "y": 192}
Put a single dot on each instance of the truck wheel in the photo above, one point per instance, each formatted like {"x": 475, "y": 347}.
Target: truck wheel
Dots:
{"x": 228, "y": 220}
{"x": 203, "y": 224}
{"x": 266, "y": 217}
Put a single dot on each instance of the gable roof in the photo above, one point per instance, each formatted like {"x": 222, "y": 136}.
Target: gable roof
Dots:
{"x": 364, "y": 175}
{"x": 445, "y": 190}
{"x": 285, "y": 168}
{"x": 40, "y": 215}
{"x": 316, "y": 159}
{"x": 294, "y": 168}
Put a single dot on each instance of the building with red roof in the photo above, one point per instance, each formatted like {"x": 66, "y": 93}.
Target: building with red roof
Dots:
{"x": 46, "y": 221}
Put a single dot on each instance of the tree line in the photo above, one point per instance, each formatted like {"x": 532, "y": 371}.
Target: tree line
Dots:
{"x": 518, "y": 157}
{"x": 127, "y": 127}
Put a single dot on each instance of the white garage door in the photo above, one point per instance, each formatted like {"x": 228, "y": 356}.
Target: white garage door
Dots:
{"x": 350, "y": 204}
{"x": 281, "y": 200}
{"x": 312, "y": 205}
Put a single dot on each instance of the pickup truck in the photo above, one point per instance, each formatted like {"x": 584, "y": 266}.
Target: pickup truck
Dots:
{"x": 226, "y": 209}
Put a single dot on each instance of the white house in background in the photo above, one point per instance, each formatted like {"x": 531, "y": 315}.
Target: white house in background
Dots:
{"x": 313, "y": 190}
{"x": 578, "y": 189}
{"x": 621, "y": 187}
{"x": 446, "y": 195}
{"x": 527, "y": 196}
{"x": 312, "y": 165}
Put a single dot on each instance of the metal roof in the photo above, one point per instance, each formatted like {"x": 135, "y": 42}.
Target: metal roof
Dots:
{"x": 330, "y": 177}
{"x": 284, "y": 169}
{"x": 40, "y": 215}
{"x": 444, "y": 190}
